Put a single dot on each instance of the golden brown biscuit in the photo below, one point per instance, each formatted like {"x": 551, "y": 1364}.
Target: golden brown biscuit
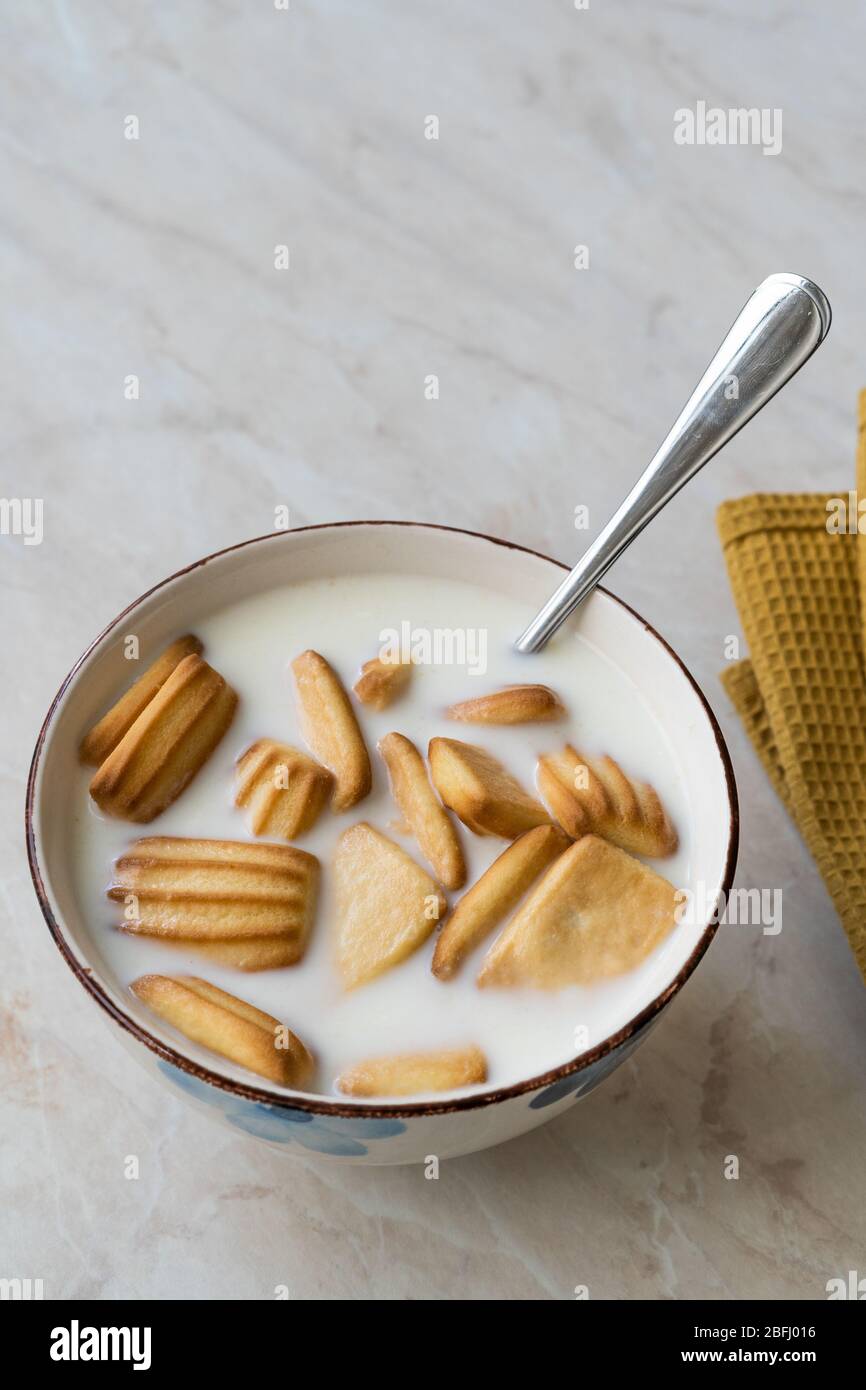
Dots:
{"x": 331, "y": 729}
{"x": 216, "y": 890}
{"x": 481, "y": 791}
{"x": 170, "y": 740}
{"x": 107, "y": 733}
{"x": 514, "y": 704}
{"x": 494, "y": 895}
{"x": 424, "y": 813}
{"x": 594, "y": 795}
{"x": 250, "y": 953}
{"x": 412, "y": 1072}
{"x": 386, "y": 904}
{"x": 283, "y": 789}
{"x": 381, "y": 682}
{"x": 228, "y": 1026}
{"x": 597, "y": 913}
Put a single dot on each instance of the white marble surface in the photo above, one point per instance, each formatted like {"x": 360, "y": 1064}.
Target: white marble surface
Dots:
{"x": 305, "y": 387}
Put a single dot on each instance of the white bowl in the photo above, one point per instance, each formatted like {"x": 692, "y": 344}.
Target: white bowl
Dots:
{"x": 340, "y": 1129}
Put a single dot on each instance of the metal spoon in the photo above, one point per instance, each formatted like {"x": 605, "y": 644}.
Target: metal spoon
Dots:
{"x": 777, "y": 331}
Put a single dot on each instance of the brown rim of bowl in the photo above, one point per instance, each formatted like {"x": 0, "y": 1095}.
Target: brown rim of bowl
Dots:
{"x": 322, "y": 1105}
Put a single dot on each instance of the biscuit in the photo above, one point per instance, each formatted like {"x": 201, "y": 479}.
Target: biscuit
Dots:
{"x": 282, "y": 788}
{"x": 411, "y": 1072}
{"x": 228, "y": 1026}
{"x": 382, "y": 682}
{"x": 105, "y": 735}
{"x": 387, "y": 906}
{"x": 597, "y": 913}
{"x": 481, "y": 791}
{"x": 494, "y": 895}
{"x": 168, "y": 743}
{"x": 203, "y": 891}
{"x": 250, "y": 954}
{"x": 422, "y": 810}
{"x": 594, "y": 795}
{"x": 331, "y": 729}
{"x": 514, "y": 704}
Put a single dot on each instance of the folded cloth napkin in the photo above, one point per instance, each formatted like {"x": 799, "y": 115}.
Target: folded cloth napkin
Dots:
{"x": 802, "y": 695}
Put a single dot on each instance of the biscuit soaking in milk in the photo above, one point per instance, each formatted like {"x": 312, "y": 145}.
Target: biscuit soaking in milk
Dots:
{"x": 344, "y": 839}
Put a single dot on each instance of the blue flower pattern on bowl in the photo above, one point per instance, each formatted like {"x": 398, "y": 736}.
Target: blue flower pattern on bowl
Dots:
{"x": 339, "y": 1136}
{"x": 558, "y": 1090}
{"x": 579, "y": 1082}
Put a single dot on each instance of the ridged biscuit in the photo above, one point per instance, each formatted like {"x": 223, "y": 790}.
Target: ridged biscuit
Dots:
{"x": 282, "y": 789}
{"x": 594, "y": 795}
{"x": 169, "y": 742}
{"x": 228, "y": 1026}
{"x": 242, "y": 896}
{"x": 249, "y": 954}
{"x": 104, "y": 737}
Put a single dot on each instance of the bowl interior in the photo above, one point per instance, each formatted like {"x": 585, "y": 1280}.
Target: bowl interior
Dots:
{"x": 677, "y": 708}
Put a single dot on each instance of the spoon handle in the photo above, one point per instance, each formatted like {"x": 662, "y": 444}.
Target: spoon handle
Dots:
{"x": 779, "y": 328}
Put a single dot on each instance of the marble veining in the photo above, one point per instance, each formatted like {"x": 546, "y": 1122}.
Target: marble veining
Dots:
{"x": 259, "y": 388}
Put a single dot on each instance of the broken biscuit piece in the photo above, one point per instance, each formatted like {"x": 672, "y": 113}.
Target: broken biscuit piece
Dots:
{"x": 424, "y": 813}
{"x": 382, "y": 682}
{"x": 226, "y": 891}
{"x": 168, "y": 743}
{"x": 597, "y": 913}
{"x": 412, "y": 1072}
{"x": 104, "y": 737}
{"x": 229, "y": 1026}
{"x": 593, "y": 795}
{"x": 514, "y": 704}
{"x": 386, "y": 904}
{"x": 331, "y": 729}
{"x": 283, "y": 789}
{"x": 481, "y": 791}
{"x": 494, "y": 895}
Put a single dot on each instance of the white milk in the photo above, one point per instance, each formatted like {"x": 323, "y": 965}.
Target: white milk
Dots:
{"x": 522, "y": 1032}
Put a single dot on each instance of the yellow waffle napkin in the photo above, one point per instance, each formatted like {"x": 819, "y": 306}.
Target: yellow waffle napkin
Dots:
{"x": 802, "y": 695}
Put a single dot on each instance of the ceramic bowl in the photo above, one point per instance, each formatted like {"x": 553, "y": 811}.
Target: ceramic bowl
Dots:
{"x": 328, "y": 1127}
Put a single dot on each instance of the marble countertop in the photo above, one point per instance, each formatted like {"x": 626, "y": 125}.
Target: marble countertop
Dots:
{"x": 261, "y": 387}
